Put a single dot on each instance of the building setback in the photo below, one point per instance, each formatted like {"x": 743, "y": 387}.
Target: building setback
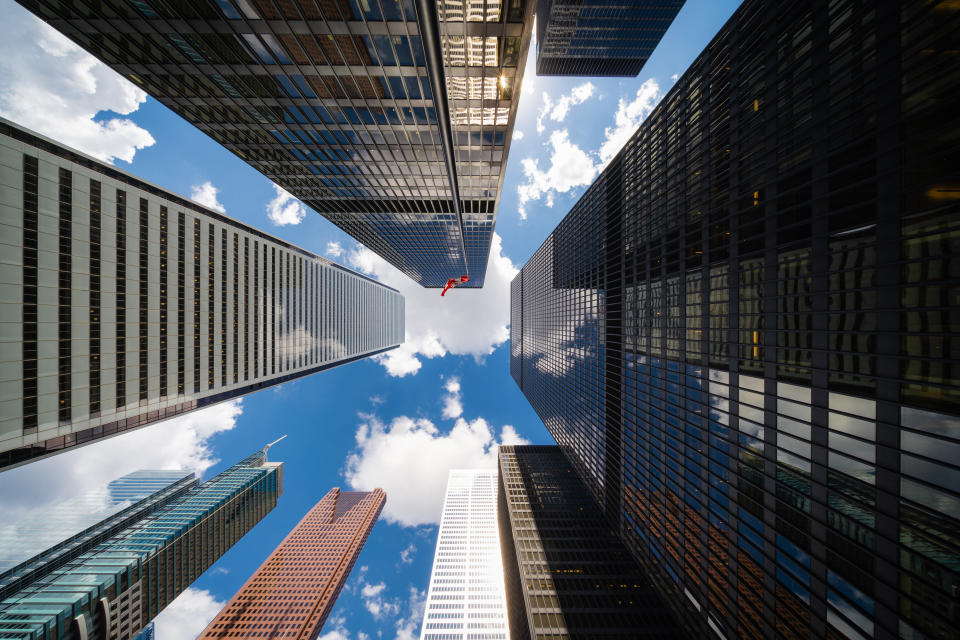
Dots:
{"x": 399, "y": 139}
{"x": 567, "y": 573}
{"x": 294, "y": 590}
{"x": 743, "y": 336}
{"x": 114, "y": 589}
{"x": 600, "y": 38}
{"x": 127, "y": 304}
{"x": 466, "y": 600}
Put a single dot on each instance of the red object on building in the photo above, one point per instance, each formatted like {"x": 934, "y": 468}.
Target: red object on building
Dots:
{"x": 452, "y": 282}
{"x": 294, "y": 590}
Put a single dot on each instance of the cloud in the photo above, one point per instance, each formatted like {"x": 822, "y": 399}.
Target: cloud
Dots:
{"x": 188, "y": 615}
{"x": 407, "y": 626}
{"x": 50, "y": 85}
{"x": 435, "y": 326}
{"x": 629, "y": 116}
{"x": 206, "y": 194}
{"x": 178, "y": 443}
{"x": 377, "y": 400}
{"x": 339, "y": 631}
{"x": 557, "y": 111}
{"x": 452, "y": 406}
{"x": 284, "y": 209}
{"x": 334, "y": 249}
{"x": 517, "y": 134}
{"x": 374, "y": 602}
{"x": 406, "y": 556}
{"x": 570, "y": 166}
{"x": 675, "y": 76}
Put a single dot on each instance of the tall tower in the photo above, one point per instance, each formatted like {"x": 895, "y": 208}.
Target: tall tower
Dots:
{"x": 316, "y": 558}
{"x": 391, "y": 118}
{"x": 128, "y": 304}
{"x": 744, "y": 335}
{"x": 115, "y": 588}
{"x": 466, "y": 597}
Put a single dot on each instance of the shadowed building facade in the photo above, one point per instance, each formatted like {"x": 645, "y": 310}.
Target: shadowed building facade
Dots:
{"x": 112, "y": 590}
{"x": 127, "y": 304}
{"x": 391, "y": 118}
{"x": 294, "y": 590}
{"x": 744, "y": 335}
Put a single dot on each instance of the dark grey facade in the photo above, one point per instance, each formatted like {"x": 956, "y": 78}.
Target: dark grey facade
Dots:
{"x": 600, "y": 37}
{"x": 398, "y": 139}
{"x": 566, "y": 572}
{"x": 744, "y": 336}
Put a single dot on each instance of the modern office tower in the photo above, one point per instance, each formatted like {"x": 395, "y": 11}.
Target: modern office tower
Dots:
{"x": 568, "y": 575}
{"x": 744, "y": 334}
{"x": 117, "y": 587}
{"x": 392, "y": 119}
{"x": 316, "y": 558}
{"x": 597, "y": 38}
{"x": 466, "y": 598}
{"x": 126, "y": 304}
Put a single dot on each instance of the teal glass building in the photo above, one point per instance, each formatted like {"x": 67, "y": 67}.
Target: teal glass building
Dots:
{"x": 116, "y": 587}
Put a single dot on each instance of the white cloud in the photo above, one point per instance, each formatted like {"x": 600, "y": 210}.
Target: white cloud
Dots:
{"x": 464, "y": 322}
{"x": 570, "y": 166}
{"x": 334, "y": 249}
{"x": 284, "y": 209}
{"x": 206, "y": 194}
{"x": 452, "y": 405}
{"x": 188, "y": 615}
{"x": 675, "y": 76}
{"x": 375, "y": 602}
{"x": 177, "y": 443}
{"x": 377, "y": 400}
{"x": 406, "y": 556}
{"x": 339, "y": 631}
{"x": 557, "y": 111}
{"x": 517, "y": 134}
{"x": 408, "y": 626}
{"x": 50, "y": 85}
{"x": 629, "y": 116}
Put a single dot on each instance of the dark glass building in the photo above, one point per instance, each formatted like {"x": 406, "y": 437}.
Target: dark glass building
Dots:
{"x": 567, "y": 574}
{"x": 744, "y": 336}
{"x": 399, "y": 139}
{"x": 600, "y": 37}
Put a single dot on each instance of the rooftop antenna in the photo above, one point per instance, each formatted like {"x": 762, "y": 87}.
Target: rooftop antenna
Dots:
{"x": 270, "y": 445}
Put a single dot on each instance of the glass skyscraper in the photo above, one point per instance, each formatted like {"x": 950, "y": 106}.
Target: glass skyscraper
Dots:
{"x": 744, "y": 335}
{"x": 391, "y": 120}
{"x": 600, "y": 37}
{"x": 128, "y": 304}
{"x": 116, "y": 588}
{"x": 466, "y": 598}
{"x": 316, "y": 558}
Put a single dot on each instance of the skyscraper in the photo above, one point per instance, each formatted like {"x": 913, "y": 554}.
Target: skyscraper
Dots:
{"x": 466, "y": 596}
{"x": 392, "y": 119}
{"x": 127, "y": 304}
{"x": 743, "y": 335}
{"x": 294, "y": 590}
{"x": 600, "y": 38}
{"x": 117, "y": 587}
{"x": 567, "y": 573}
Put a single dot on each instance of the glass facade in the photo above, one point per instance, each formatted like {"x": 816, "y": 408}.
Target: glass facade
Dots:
{"x": 600, "y": 37}
{"x": 337, "y": 103}
{"x": 114, "y": 589}
{"x": 466, "y": 600}
{"x": 171, "y": 306}
{"x": 744, "y": 335}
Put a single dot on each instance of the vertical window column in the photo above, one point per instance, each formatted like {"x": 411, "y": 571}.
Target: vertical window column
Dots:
{"x": 163, "y": 302}
{"x": 256, "y": 309}
{"x": 30, "y": 230}
{"x": 144, "y": 297}
{"x": 236, "y": 314}
{"x": 65, "y": 296}
{"x": 211, "y": 310}
{"x": 246, "y": 308}
{"x": 181, "y": 302}
{"x": 196, "y": 306}
{"x": 95, "y": 266}
{"x": 121, "y": 241}
{"x": 223, "y": 307}
{"x": 273, "y": 310}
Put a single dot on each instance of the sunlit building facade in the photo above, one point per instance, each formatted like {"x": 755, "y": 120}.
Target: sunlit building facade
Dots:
{"x": 744, "y": 335}
{"x": 113, "y": 590}
{"x": 398, "y": 138}
{"x": 127, "y": 304}
{"x": 568, "y": 575}
{"x": 295, "y": 589}
{"x": 466, "y": 598}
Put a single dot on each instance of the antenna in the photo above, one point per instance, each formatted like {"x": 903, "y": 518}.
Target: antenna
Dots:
{"x": 270, "y": 445}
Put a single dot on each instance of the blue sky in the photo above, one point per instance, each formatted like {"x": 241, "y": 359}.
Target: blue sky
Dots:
{"x": 443, "y": 400}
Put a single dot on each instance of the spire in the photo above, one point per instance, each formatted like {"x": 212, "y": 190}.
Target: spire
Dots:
{"x": 264, "y": 450}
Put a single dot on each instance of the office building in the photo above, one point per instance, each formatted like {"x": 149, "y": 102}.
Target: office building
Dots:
{"x": 294, "y": 590}
{"x": 147, "y": 633}
{"x": 126, "y": 304}
{"x": 392, "y": 119}
{"x": 466, "y": 599}
{"x": 116, "y": 588}
{"x": 567, "y": 573}
{"x": 744, "y": 335}
{"x": 597, "y": 38}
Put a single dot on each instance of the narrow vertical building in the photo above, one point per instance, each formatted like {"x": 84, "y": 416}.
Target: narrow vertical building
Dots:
{"x": 126, "y": 304}
{"x": 568, "y": 575}
{"x": 292, "y": 593}
{"x": 117, "y": 585}
{"x": 744, "y": 335}
{"x": 466, "y": 598}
